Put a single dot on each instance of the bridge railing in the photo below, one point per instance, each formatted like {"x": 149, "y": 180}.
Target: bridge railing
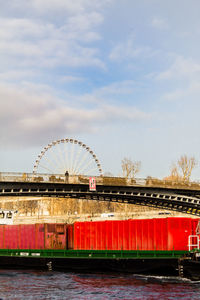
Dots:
{"x": 100, "y": 180}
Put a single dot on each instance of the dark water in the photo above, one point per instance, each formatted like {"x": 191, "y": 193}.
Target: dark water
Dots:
{"x": 56, "y": 285}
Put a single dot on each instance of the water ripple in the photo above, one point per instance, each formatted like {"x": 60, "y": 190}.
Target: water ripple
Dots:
{"x": 27, "y": 285}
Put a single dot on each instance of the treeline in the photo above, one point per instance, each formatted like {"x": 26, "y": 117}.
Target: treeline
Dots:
{"x": 180, "y": 171}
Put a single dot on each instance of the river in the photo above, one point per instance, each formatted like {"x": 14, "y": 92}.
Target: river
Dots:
{"x": 23, "y": 284}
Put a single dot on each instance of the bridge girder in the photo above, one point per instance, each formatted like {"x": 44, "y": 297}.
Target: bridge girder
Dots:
{"x": 169, "y": 199}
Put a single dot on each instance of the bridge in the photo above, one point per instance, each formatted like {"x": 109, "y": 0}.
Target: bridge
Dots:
{"x": 177, "y": 196}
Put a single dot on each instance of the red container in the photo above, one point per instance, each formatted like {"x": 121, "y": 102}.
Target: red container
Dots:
{"x": 33, "y": 236}
{"x": 29, "y": 236}
{"x": 140, "y": 234}
{"x": 55, "y": 236}
{"x": 70, "y": 237}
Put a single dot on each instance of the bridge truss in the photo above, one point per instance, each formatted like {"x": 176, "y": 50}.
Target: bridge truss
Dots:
{"x": 181, "y": 200}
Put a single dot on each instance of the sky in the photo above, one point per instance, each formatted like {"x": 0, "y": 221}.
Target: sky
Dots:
{"x": 122, "y": 76}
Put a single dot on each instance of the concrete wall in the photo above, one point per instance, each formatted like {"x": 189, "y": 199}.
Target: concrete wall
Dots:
{"x": 46, "y": 209}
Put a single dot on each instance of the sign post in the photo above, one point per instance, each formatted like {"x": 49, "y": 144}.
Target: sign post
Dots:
{"x": 92, "y": 184}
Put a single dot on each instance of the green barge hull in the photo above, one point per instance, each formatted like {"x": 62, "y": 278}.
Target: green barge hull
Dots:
{"x": 136, "y": 262}
{"x": 93, "y": 254}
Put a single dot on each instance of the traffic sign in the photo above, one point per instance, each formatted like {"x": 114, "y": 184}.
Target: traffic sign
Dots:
{"x": 92, "y": 184}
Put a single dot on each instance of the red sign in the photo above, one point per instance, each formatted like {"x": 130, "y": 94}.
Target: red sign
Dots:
{"x": 92, "y": 184}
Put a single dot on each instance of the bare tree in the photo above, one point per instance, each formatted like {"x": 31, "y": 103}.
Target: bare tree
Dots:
{"x": 181, "y": 171}
{"x": 186, "y": 165}
{"x": 130, "y": 168}
{"x": 174, "y": 176}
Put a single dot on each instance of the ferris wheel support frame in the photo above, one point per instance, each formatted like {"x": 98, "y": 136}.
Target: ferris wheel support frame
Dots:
{"x": 67, "y": 140}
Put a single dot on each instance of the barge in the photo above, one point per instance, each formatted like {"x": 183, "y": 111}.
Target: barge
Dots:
{"x": 164, "y": 246}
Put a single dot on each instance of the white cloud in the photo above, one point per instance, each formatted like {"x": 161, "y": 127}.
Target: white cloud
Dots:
{"x": 29, "y": 116}
{"x": 16, "y": 75}
{"x": 184, "y": 76}
{"x": 81, "y": 23}
{"x": 129, "y": 50}
{"x": 46, "y": 44}
{"x": 69, "y": 78}
{"x": 58, "y": 5}
{"x": 159, "y": 23}
{"x": 181, "y": 68}
{"x": 49, "y": 8}
{"x": 124, "y": 113}
{"x": 189, "y": 92}
{"x": 32, "y": 40}
{"x": 117, "y": 88}
{"x": 71, "y": 7}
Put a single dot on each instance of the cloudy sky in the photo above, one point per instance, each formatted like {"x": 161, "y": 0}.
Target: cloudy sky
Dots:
{"x": 123, "y": 76}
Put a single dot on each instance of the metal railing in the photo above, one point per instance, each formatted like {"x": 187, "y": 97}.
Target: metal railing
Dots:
{"x": 100, "y": 180}
{"x": 193, "y": 242}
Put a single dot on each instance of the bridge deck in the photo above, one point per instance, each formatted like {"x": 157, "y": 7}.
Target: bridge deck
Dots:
{"x": 184, "y": 200}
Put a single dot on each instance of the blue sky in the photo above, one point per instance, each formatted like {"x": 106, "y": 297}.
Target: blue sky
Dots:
{"x": 123, "y": 76}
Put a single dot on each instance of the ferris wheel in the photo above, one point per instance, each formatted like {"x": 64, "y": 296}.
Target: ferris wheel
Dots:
{"x": 67, "y": 155}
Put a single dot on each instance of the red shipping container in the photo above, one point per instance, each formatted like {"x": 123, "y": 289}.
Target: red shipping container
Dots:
{"x": 10, "y": 237}
{"x": 1, "y": 236}
{"x": 178, "y": 231}
{"x": 70, "y": 236}
{"x": 55, "y": 236}
{"x": 138, "y": 234}
{"x": 33, "y": 236}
